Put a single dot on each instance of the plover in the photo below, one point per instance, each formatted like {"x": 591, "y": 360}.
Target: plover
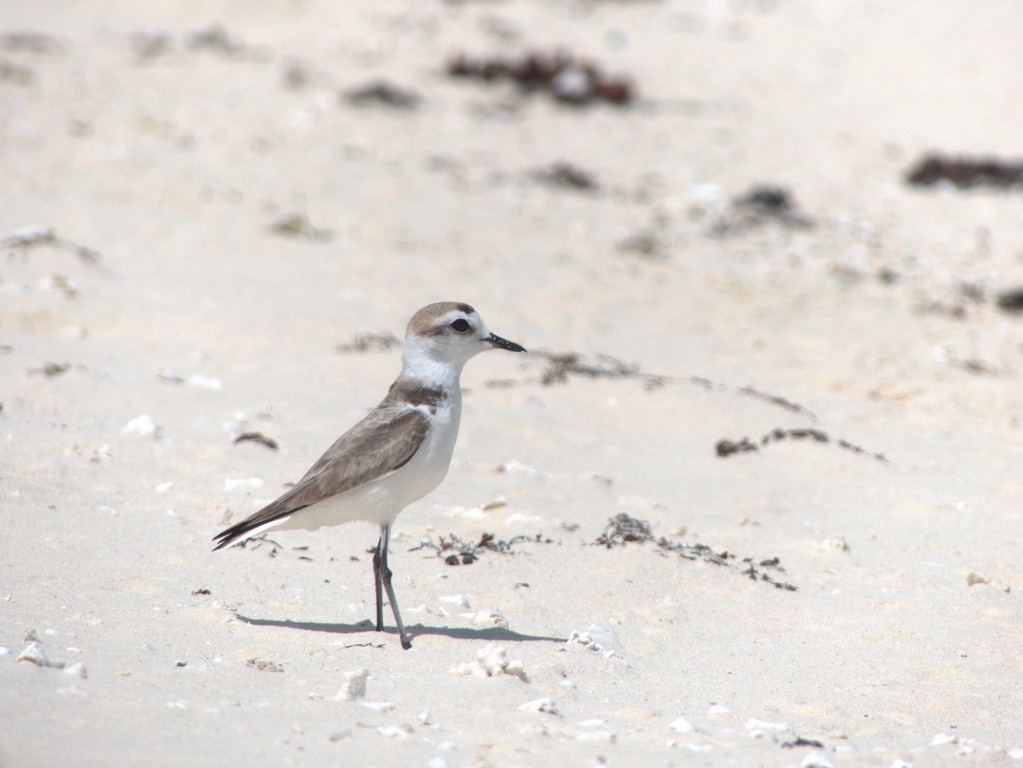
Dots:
{"x": 398, "y": 453}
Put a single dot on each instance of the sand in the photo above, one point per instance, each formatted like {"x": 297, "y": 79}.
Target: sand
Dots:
{"x": 156, "y": 301}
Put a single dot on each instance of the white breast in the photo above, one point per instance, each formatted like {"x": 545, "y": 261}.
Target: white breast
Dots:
{"x": 380, "y": 501}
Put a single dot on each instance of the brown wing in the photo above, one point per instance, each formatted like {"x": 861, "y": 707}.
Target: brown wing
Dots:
{"x": 379, "y": 444}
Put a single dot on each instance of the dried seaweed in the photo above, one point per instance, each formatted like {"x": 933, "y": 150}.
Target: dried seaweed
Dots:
{"x": 298, "y": 225}
{"x": 623, "y": 528}
{"x": 257, "y": 542}
{"x": 760, "y": 205}
{"x": 454, "y": 551}
{"x": 725, "y": 447}
{"x": 384, "y": 94}
{"x": 565, "y": 78}
{"x": 565, "y": 175}
{"x": 257, "y": 437}
{"x": 370, "y": 342}
{"x": 25, "y": 239}
{"x": 965, "y": 172}
{"x": 1010, "y": 300}
{"x": 800, "y": 741}
{"x": 559, "y": 367}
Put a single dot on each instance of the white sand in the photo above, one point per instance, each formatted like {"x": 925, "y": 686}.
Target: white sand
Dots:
{"x": 173, "y": 166}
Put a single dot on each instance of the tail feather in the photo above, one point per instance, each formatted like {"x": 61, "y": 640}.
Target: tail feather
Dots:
{"x": 250, "y": 527}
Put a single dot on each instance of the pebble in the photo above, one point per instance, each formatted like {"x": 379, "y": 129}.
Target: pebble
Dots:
{"x": 681, "y": 725}
{"x": 460, "y": 600}
{"x": 761, "y": 729}
{"x": 77, "y": 669}
{"x": 519, "y": 517}
{"x": 517, "y": 467}
{"x": 210, "y": 383}
{"x": 246, "y": 482}
{"x": 605, "y": 736}
{"x": 394, "y": 731}
{"x": 816, "y": 759}
{"x": 143, "y": 426}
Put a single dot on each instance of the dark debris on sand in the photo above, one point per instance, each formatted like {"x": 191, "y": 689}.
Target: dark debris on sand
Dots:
{"x": 565, "y": 78}
{"x": 726, "y": 447}
{"x": 370, "y": 342}
{"x": 1010, "y": 300}
{"x": 622, "y": 529}
{"x": 762, "y": 204}
{"x": 564, "y": 175}
{"x": 454, "y": 551}
{"x": 383, "y": 94}
{"x": 935, "y": 169}
{"x": 257, "y": 437}
{"x": 559, "y": 367}
{"x": 26, "y": 239}
{"x": 298, "y": 225}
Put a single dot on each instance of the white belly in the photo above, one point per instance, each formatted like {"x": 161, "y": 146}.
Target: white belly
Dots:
{"x": 379, "y": 501}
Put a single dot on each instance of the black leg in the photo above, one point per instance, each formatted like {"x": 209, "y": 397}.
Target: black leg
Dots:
{"x": 378, "y": 578}
{"x": 383, "y": 575}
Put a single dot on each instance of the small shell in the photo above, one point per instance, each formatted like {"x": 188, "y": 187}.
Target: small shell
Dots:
{"x": 394, "y": 731}
{"x": 489, "y": 618}
{"x": 835, "y": 544}
{"x": 491, "y": 661}
{"x": 354, "y": 687}
{"x": 816, "y": 759}
{"x": 545, "y": 704}
{"x": 198, "y": 381}
{"x": 35, "y": 653}
{"x": 77, "y": 669}
{"x": 378, "y": 706}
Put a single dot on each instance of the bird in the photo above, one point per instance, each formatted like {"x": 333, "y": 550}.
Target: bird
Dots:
{"x": 397, "y": 454}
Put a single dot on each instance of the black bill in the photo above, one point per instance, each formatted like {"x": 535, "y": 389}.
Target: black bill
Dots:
{"x": 497, "y": 341}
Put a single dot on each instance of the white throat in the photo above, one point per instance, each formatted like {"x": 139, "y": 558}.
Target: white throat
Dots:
{"x": 426, "y": 363}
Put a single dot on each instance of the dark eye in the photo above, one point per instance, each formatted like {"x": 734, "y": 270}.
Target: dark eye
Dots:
{"x": 460, "y": 325}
